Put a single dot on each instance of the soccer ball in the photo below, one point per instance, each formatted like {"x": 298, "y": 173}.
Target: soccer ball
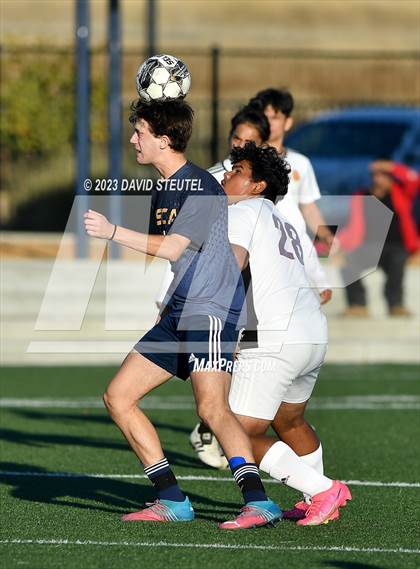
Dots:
{"x": 163, "y": 78}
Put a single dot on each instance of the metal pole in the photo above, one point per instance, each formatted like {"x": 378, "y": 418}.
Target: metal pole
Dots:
{"x": 151, "y": 28}
{"x": 215, "y": 70}
{"x": 114, "y": 110}
{"x": 82, "y": 118}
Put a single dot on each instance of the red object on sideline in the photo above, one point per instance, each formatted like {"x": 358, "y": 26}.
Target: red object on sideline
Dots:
{"x": 403, "y": 192}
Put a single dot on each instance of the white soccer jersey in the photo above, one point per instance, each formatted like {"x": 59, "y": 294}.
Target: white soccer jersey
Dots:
{"x": 302, "y": 183}
{"x": 287, "y": 309}
{"x": 303, "y": 187}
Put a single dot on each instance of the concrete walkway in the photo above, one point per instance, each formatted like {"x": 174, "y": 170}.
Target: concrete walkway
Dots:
{"x": 121, "y": 307}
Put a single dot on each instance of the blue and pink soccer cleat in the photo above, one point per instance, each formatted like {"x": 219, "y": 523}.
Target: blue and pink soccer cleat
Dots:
{"x": 253, "y": 515}
{"x": 163, "y": 511}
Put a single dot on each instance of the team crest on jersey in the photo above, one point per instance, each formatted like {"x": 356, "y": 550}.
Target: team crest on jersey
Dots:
{"x": 164, "y": 216}
{"x": 295, "y": 176}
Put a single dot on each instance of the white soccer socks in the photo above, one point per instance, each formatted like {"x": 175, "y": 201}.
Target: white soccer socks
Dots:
{"x": 314, "y": 459}
{"x": 283, "y": 464}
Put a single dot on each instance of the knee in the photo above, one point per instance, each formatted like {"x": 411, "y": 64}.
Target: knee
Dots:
{"x": 290, "y": 424}
{"x": 117, "y": 404}
{"x": 109, "y": 402}
{"x": 296, "y": 422}
{"x": 210, "y": 414}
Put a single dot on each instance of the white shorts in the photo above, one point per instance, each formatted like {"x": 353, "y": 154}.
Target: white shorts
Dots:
{"x": 263, "y": 379}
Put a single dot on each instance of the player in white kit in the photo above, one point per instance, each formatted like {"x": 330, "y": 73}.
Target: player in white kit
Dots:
{"x": 291, "y": 331}
{"x": 251, "y": 125}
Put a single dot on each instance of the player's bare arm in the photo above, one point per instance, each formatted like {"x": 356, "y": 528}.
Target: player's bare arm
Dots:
{"x": 168, "y": 247}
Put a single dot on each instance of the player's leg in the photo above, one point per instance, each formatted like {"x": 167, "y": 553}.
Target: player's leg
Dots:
{"x": 292, "y": 428}
{"x": 283, "y": 464}
{"x": 211, "y": 391}
{"x": 139, "y": 375}
{"x": 255, "y": 398}
{"x": 280, "y": 461}
{"x": 136, "y": 377}
{"x": 327, "y": 496}
{"x": 263, "y": 379}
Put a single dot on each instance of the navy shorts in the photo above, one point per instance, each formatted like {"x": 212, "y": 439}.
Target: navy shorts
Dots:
{"x": 183, "y": 345}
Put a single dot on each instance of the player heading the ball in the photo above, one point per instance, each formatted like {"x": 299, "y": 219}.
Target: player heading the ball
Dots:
{"x": 199, "y": 319}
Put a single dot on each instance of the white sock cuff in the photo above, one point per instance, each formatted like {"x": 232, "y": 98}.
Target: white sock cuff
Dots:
{"x": 315, "y": 459}
{"x": 315, "y": 455}
{"x": 272, "y": 455}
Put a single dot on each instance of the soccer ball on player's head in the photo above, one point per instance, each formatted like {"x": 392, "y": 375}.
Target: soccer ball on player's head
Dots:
{"x": 163, "y": 78}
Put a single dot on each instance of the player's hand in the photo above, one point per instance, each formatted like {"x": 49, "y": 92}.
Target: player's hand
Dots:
{"x": 325, "y": 296}
{"x": 97, "y": 225}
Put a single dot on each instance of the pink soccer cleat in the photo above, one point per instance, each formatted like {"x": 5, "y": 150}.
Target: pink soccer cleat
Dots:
{"x": 296, "y": 513}
{"x": 163, "y": 511}
{"x": 325, "y": 505}
{"x": 255, "y": 514}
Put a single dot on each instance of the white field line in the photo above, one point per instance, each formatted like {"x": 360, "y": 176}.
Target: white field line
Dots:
{"x": 13, "y": 474}
{"x": 184, "y": 403}
{"x": 341, "y": 549}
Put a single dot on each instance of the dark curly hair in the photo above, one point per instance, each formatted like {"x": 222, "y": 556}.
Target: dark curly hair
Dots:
{"x": 280, "y": 99}
{"x": 257, "y": 119}
{"x": 171, "y": 118}
{"x": 266, "y": 165}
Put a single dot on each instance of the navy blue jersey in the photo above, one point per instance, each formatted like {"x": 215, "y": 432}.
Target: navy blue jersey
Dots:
{"x": 207, "y": 279}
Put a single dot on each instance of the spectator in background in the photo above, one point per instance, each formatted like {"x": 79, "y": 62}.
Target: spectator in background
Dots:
{"x": 396, "y": 186}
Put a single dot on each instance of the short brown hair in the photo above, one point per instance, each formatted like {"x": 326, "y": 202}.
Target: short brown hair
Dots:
{"x": 171, "y": 118}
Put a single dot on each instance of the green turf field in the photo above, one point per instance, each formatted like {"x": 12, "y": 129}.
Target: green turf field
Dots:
{"x": 55, "y": 434}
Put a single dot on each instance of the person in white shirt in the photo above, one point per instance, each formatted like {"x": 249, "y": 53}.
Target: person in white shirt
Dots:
{"x": 277, "y": 105}
{"x": 276, "y": 376}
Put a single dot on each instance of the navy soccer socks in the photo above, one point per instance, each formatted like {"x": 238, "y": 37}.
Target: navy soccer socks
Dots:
{"x": 164, "y": 481}
{"x": 248, "y": 479}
